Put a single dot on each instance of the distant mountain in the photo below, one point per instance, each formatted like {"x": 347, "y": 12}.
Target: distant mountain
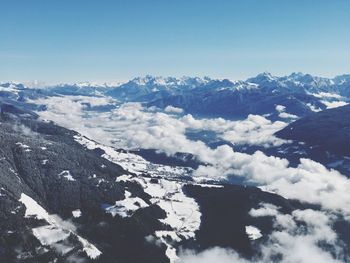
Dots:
{"x": 150, "y": 88}
{"x": 299, "y": 94}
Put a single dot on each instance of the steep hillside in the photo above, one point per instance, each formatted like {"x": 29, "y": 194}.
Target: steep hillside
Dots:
{"x": 329, "y": 129}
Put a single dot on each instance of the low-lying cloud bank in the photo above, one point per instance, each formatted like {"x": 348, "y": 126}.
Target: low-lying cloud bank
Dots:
{"x": 132, "y": 126}
{"x": 297, "y": 237}
{"x": 137, "y": 127}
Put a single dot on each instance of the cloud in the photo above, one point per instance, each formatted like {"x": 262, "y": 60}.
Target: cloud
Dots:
{"x": 280, "y": 108}
{"x": 330, "y": 100}
{"x": 26, "y": 131}
{"x": 296, "y": 243}
{"x": 334, "y": 104}
{"x": 132, "y": 126}
{"x": 309, "y": 182}
{"x": 171, "y": 109}
{"x": 290, "y": 241}
{"x": 212, "y": 255}
{"x": 283, "y": 114}
{"x": 321, "y": 95}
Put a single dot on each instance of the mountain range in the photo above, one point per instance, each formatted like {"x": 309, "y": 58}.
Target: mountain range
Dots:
{"x": 299, "y": 93}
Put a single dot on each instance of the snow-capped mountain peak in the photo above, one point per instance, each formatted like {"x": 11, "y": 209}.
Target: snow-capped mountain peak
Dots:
{"x": 150, "y": 80}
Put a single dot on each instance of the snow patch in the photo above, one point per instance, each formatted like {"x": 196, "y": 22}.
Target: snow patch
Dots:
{"x": 76, "y": 213}
{"x": 67, "y": 175}
{"x": 126, "y": 207}
{"x": 23, "y": 146}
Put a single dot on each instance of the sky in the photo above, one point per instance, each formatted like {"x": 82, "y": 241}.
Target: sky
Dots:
{"x": 112, "y": 40}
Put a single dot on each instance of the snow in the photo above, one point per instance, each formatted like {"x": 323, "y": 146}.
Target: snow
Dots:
{"x": 13, "y": 171}
{"x": 126, "y": 207}
{"x": 99, "y": 180}
{"x": 170, "y": 250}
{"x": 124, "y": 178}
{"x": 56, "y": 230}
{"x": 133, "y": 162}
{"x": 49, "y": 235}
{"x": 23, "y": 146}
{"x": 253, "y": 232}
{"x": 76, "y": 213}
{"x": 33, "y": 208}
{"x": 62, "y": 248}
{"x": 67, "y": 175}
{"x": 208, "y": 185}
{"x": 89, "y": 248}
{"x": 12, "y": 88}
{"x": 183, "y": 214}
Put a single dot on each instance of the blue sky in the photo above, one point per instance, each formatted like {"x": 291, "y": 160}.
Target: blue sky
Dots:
{"x": 102, "y": 40}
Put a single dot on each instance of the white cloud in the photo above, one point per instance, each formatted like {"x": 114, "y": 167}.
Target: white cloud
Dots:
{"x": 253, "y": 232}
{"x": 322, "y": 95}
{"x": 300, "y": 244}
{"x": 283, "y": 114}
{"x": 212, "y": 255}
{"x": 132, "y": 126}
{"x": 286, "y": 115}
{"x": 334, "y": 104}
{"x": 289, "y": 241}
{"x": 172, "y": 109}
{"x": 280, "y": 108}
